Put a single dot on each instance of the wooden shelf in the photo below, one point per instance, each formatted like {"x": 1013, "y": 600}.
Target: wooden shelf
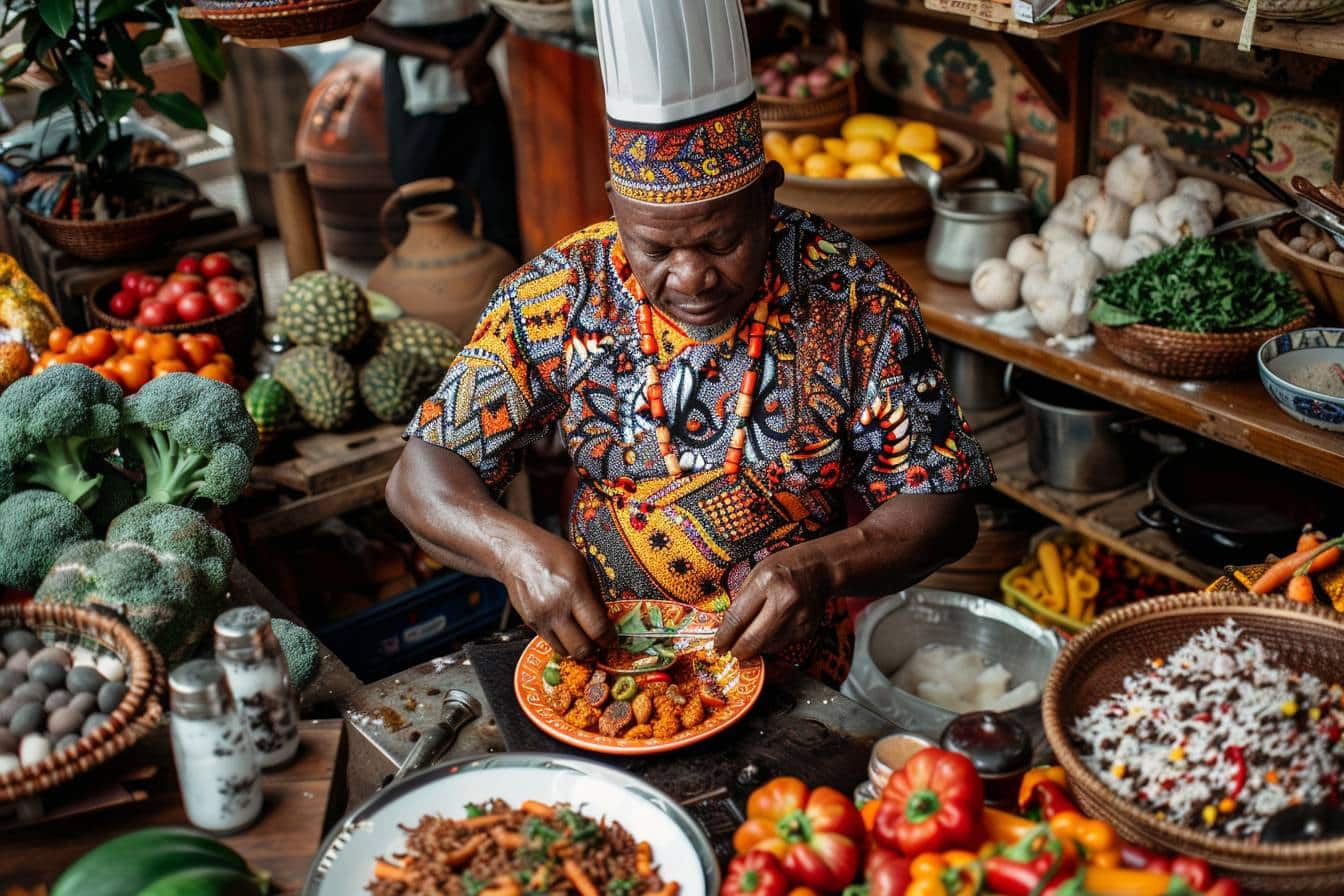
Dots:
{"x": 1217, "y": 22}
{"x": 996, "y": 16}
{"x": 1236, "y": 412}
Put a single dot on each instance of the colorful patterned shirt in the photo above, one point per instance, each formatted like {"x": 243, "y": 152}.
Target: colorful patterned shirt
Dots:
{"x": 851, "y": 395}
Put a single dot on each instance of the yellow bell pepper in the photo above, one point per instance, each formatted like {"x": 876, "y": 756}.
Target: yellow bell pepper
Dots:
{"x": 1082, "y": 587}
{"x": 1056, "y": 597}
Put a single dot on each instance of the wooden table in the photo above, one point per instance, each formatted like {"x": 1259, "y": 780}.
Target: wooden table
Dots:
{"x": 300, "y": 806}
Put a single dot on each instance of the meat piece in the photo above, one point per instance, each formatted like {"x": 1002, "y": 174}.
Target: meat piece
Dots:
{"x": 639, "y": 732}
{"x": 693, "y": 713}
{"x": 597, "y": 694}
{"x": 665, "y": 726}
{"x": 615, "y": 718}
{"x": 561, "y": 698}
{"x": 598, "y": 676}
{"x": 582, "y": 716}
{"x": 574, "y": 675}
{"x": 656, "y": 688}
{"x": 663, "y": 706}
{"x": 642, "y": 706}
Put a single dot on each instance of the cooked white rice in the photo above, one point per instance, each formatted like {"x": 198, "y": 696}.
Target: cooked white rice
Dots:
{"x": 1174, "y": 739}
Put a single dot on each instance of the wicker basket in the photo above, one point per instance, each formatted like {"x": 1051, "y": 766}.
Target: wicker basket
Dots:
{"x": 1294, "y": 10}
{"x": 546, "y": 16}
{"x": 821, "y": 115}
{"x": 1322, "y": 281}
{"x": 238, "y": 329}
{"x": 1094, "y": 665}
{"x": 1191, "y": 356}
{"x": 290, "y": 22}
{"x": 881, "y": 209}
{"x": 140, "y": 710}
{"x": 111, "y": 240}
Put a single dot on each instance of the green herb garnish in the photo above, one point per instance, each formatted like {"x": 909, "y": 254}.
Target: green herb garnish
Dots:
{"x": 580, "y": 828}
{"x": 472, "y": 884}
{"x": 1197, "y": 286}
{"x": 622, "y": 886}
{"x": 474, "y": 810}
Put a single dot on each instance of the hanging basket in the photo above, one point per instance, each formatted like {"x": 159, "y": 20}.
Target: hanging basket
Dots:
{"x": 1316, "y": 11}
{"x": 289, "y": 23}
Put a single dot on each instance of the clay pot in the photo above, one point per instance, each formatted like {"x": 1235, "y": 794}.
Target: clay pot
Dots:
{"x": 439, "y": 272}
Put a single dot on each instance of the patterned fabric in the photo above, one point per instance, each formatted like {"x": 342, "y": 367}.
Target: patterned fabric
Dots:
{"x": 851, "y": 396}
{"x": 691, "y": 161}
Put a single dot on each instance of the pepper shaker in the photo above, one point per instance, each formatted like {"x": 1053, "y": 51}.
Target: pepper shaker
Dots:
{"x": 216, "y": 767}
{"x": 246, "y": 646}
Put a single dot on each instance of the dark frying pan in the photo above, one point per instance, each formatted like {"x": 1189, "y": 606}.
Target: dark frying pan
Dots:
{"x": 1226, "y": 507}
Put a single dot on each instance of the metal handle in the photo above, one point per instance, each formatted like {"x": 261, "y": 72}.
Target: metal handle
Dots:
{"x": 1121, "y": 427}
{"x": 1248, "y": 167}
{"x": 425, "y": 187}
{"x": 459, "y": 708}
{"x": 1155, "y": 516}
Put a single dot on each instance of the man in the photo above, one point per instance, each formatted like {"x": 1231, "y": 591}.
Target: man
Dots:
{"x": 444, "y": 110}
{"x": 723, "y": 370}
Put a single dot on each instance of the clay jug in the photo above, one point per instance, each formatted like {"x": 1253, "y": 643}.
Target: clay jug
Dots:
{"x": 439, "y": 272}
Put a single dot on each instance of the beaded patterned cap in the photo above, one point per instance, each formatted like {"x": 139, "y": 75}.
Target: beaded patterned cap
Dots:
{"x": 683, "y": 124}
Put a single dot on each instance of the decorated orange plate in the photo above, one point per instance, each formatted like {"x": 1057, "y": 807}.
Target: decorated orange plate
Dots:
{"x": 694, "y": 677}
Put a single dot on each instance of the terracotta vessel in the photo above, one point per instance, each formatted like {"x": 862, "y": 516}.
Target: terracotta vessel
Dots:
{"x": 439, "y": 272}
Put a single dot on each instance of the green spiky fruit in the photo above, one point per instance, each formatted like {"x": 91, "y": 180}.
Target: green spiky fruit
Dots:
{"x": 270, "y": 406}
{"x": 435, "y": 343}
{"x": 393, "y": 384}
{"x": 322, "y": 384}
{"x": 322, "y": 308}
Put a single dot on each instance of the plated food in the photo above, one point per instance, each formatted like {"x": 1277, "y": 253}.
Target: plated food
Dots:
{"x": 661, "y": 687}
{"x": 499, "y": 850}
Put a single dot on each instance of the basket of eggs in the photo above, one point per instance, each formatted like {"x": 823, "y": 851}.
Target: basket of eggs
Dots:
{"x": 855, "y": 180}
{"x": 807, "y": 91}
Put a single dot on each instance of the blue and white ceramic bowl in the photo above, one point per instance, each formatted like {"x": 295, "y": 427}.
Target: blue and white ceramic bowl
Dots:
{"x": 1283, "y": 356}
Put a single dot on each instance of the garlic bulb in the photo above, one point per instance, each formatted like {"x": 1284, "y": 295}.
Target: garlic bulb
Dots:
{"x": 1083, "y": 187}
{"x": 1138, "y": 175}
{"x": 1034, "y": 283}
{"x": 1106, "y": 214}
{"x": 995, "y": 285}
{"x": 1057, "y": 250}
{"x": 1057, "y": 231}
{"x": 1069, "y": 211}
{"x": 1144, "y": 220}
{"x": 1027, "y": 251}
{"x": 1206, "y": 191}
{"x": 1080, "y": 268}
{"x": 1181, "y": 216}
{"x": 1138, "y": 247}
{"x": 1108, "y": 247}
{"x": 1052, "y": 308}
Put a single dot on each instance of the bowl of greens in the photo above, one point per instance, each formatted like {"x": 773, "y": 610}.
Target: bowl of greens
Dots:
{"x": 1303, "y": 372}
{"x": 1196, "y": 310}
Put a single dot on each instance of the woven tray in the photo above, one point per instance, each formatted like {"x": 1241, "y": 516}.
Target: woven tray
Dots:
{"x": 111, "y": 240}
{"x": 822, "y": 114}
{"x": 1323, "y": 281}
{"x": 287, "y": 22}
{"x": 546, "y": 16}
{"x": 1194, "y": 356}
{"x": 1094, "y": 665}
{"x": 140, "y": 710}
{"x": 1294, "y": 10}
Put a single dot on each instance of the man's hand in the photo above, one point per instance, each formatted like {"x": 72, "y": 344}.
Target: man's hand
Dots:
{"x": 549, "y": 587}
{"x": 470, "y": 61}
{"x": 782, "y": 601}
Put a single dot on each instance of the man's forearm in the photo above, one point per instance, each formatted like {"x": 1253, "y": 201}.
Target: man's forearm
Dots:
{"x": 378, "y": 34}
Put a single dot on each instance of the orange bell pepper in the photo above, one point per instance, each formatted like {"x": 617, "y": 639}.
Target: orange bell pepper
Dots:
{"x": 1092, "y": 835}
{"x": 868, "y": 811}
{"x": 955, "y": 873}
{"x": 1035, "y": 776}
{"x": 817, "y": 834}
{"x": 1005, "y": 827}
{"x": 1128, "y": 882}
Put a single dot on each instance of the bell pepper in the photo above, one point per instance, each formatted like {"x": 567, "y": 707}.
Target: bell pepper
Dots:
{"x": 816, "y": 834}
{"x": 1049, "y": 799}
{"x": 1224, "y": 886}
{"x": 868, "y": 812}
{"x": 803, "y": 891}
{"x": 1093, "y": 835}
{"x": 1033, "y": 777}
{"x": 756, "y": 873}
{"x": 1132, "y": 882}
{"x": 1005, "y": 827}
{"x": 1141, "y": 859}
{"x": 955, "y": 873}
{"x": 1029, "y": 866}
{"x": 1195, "y": 872}
{"x": 885, "y": 873}
{"x": 933, "y": 804}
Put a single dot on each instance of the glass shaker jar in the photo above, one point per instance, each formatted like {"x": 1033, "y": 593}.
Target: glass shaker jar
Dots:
{"x": 246, "y": 646}
{"x": 216, "y": 768}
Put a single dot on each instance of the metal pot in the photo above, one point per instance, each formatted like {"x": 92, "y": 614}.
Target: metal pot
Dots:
{"x": 970, "y": 226}
{"x": 976, "y": 379}
{"x": 1225, "y": 507}
{"x": 1076, "y": 441}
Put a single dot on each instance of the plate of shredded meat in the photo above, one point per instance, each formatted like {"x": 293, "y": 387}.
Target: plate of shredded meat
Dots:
{"x": 517, "y": 823}
{"x": 662, "y": 687}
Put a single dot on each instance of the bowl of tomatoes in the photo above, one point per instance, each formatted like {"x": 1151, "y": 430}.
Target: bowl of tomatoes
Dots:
{"x": 131, "y": 357}
{"x": 211, "y": 293}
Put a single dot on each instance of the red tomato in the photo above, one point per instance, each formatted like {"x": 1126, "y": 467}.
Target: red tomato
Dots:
{"x": 194, "y": 306}
{"x": 157, "y": 314}
{"x": 226, "y": 300}
{"x": 217, "y": 283}
{"x": 124, "y": 304}
{"x": 59, "y": 338}
{"x": 195, "y": 352}
{"x": 131, "y": 279}
{"x": 189, "y": 264}
{"x": 176, "y": 289}
{"x": 162, "y": 368}
{"x": 148, "y": 285}
{"x": 212, "y": 341}
{"x": 216, "y": 264}
{"x": 108, "y": 372}
{"x": 196, "y": 280}
{"x": 98, "y": 346}
{"x": 134, "y": 372}
{"x": 216, "y": 372}
{"x": 163, "y": 348}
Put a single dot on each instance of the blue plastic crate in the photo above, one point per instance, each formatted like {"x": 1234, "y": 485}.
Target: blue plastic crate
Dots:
{"x": 417, "y": 626}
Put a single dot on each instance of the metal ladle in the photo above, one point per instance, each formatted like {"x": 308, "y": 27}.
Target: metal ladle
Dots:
{"x": 923, "y": 174}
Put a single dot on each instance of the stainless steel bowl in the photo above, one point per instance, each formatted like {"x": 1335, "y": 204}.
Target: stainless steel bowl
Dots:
{"x": 893, "y": 628}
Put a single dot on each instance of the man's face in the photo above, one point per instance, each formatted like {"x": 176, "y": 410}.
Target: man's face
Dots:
{"x": 700, "y": 263}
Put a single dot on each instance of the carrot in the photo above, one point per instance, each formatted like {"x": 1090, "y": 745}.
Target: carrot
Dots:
{"x": 510, "y": 889}
{"x": 643, "y": 859}
{"x": 463, "y": 853}
{"x": 579, "y": 878}
{"x": 1309, "y": 539}
{"x": 669, "y": 889}
{"x": 1300, "y": 590}
{"x": 1323, "y": 556}
{"x": 507, "y": 839}
{"x": 540, "y": 810}
{"x": 1125, "y": 882}
{"x": 387, "y": 871}
{"x": 481, "y": 821}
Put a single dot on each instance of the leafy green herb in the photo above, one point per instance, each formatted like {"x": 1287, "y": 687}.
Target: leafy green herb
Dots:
{"x": 1197, "y": 286}
{"x": 472, "y": 884}
{"x": 622, "y": 886}
{"x": 580, "y": 828}
{"x": 537, "y": 833}
{"x": 474, "y": 810}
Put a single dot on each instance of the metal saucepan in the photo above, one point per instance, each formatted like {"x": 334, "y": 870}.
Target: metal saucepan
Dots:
{"x": 977, "y": 379}
{"x": 971, "y": 225}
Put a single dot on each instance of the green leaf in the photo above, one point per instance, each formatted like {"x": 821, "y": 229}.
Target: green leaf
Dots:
{"x": 656, "y": 618}
{"x": 206, "y": 49}
{"x": 177, "y": 108}
{"x": 80, "y": 70}
{"x": 148, "y": 38}
{"x": 94, "y": 144}
{"x": 53, "y": 99}
{"x": 108, "y": 10}
{"x": 58, "y": 14}
{"x": 15, "y": 68}
{"x": 1109, "y": 315}
{"x": 117, "y": 103}
{"x": 127, "y": 56}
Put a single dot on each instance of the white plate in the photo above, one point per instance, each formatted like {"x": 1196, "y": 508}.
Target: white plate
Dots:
{"x": 680, "y": 848}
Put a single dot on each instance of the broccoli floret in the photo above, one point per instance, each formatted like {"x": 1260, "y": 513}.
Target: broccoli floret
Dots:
{"x": 35, "y": 527}
{"x": 162, "y": 565}
{"x": 51, "y": 428}
{"x": 117, "y": 495}
{"x": 193, "y": 437}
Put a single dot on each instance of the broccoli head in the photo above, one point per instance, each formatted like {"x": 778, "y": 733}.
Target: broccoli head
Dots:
{"x": 35, "y": 527}
{"x": 164, "y": 566}
{"x": 192, "y": 436}
{"x": 52, "y": 426}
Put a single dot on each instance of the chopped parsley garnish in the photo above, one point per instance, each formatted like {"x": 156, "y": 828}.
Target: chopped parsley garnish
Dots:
{"x": 474, "y": 810}
{"x": 622, "y": 886}
{"x": 472, "y": 884}
{"x": 580, "y": 828}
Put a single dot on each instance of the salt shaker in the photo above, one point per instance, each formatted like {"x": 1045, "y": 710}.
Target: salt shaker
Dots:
{"x": 246, "y": 646}
{"x": 216, "y": 767}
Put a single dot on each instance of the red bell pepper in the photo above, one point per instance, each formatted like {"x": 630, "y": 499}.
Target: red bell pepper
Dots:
{"x": 1029, "y": 866}
{"x": 933, "y": 804}
{"x": 1224, "y": 886}
{"x": 816, "y": 834}
{"x": 885, "y": 873}
{"x": 1140, "y": 859}
{"x": 757, "y": 873}
{"x": 1195, "y": 872}
{"x": 1050, "y": 799}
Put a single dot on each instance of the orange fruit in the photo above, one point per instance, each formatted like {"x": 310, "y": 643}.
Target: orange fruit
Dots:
{"x": 98, "y": 345}
{"x": 108, "y": 372}
{"x": 804, "y": 145}
{"x": 915, "y": 137}
{"x": 134, "y": 372}
{"x": 210, "y": 339}
{"x": 162, "y": 368}
{"x": 216, "y": 372}
{"x": 835, "y": 146}
{"x": 867, "y": 171}
{"x": 821, "y": 164}
{"x": 163, "y": 347}
{"x": 864, "y": 149}
{"x": 59, "y": 338}
{"x": 196, "y": 353}
{"x": 143, "y": 343}
{"x": 223, "y": 360}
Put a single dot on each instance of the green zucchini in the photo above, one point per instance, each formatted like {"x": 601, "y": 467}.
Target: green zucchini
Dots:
{"x": 126, "y": 865}
{"x": 205, "y": 882}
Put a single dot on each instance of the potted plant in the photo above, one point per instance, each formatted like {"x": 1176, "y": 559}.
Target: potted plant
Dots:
{"x": 98, "y": 199}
